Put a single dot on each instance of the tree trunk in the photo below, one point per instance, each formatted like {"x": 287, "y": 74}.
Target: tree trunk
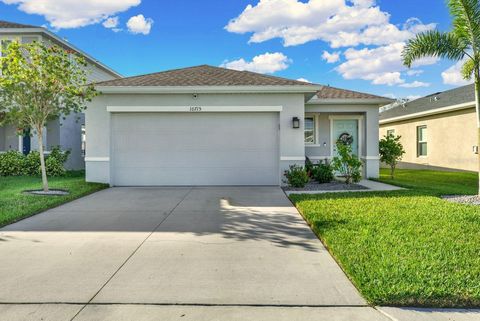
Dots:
{"x": 392, "y": 171}
{"x": 42, "y": 159}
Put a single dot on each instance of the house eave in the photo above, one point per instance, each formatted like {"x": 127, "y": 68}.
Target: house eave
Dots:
{"x": 356, "y": 101}
{"x": 205, "y": 89}
{"x": 436, "y": 111}
{"x": 63, "y": 42}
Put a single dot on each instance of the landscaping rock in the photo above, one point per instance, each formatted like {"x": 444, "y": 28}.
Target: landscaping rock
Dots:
{"x": 52, "y": 192}
{"x": 332, "y": 186}
{"x": 463, "y": 199}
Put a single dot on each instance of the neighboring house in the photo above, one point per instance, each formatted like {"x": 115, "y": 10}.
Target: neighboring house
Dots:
{"x": 66, "y": 133}
{"x": 438, "y": 131}
{"x": 213, "y": 126}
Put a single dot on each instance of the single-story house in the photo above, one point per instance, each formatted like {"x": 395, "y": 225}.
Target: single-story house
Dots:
{"x": 438, "y": 131}
{"x": 66, "y": 133}
{"x": 207, "y": 125}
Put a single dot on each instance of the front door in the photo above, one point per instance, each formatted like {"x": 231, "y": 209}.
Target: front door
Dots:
{"x": 26, "y": 142}
{"x": 345, "y": 129}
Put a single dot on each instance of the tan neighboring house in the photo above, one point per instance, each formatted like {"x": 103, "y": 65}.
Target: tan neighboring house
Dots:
{"x": 438, "y": 131}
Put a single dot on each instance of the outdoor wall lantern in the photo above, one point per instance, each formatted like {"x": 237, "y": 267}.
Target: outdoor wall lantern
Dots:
{"x": 296, "y": 122}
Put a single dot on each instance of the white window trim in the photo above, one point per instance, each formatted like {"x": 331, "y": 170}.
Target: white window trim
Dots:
{"x": 359, "y": 119}
{"x": 390, "y": 130}
{"x": 418, "y": 142}
{"x": 315, "y": 130}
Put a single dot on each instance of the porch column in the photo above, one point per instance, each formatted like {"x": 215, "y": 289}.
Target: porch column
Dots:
{"x": 372, "y": 159}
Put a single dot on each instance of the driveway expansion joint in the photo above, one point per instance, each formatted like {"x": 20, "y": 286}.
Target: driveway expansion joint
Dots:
{"x": 132, "y": 254}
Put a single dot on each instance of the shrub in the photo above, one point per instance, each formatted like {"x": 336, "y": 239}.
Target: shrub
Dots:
{"x": 59, "y": 155}
{"x": 32, "y": 164}
{"x": 347, "y": 163}
{"x": 391, "y": 151}
{"x": 323, "y": 173}
{"x": 297, "y": 176}
{"x": 54, "y": 167}
{"x": 309, "y": 167}
{"x": 12, "y": 163}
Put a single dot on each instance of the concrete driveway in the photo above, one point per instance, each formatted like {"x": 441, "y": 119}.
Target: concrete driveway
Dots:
{"x": 199, "y": 253}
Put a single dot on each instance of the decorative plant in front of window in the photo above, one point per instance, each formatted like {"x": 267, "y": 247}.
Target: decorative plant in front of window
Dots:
{"x": 347, "y": 163}
{"x": 39, "y": 83}
{"x": 391, "y": 151}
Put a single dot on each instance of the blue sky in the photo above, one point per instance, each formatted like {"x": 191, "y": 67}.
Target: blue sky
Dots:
{"x": 288, "y": 37}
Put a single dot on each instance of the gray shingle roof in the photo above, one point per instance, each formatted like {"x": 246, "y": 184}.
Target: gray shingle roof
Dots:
{"x": 7, "y": 25}
{"x": 328, "y": 92}
{"x": 203, "y": 75}
{"x": 431, "y": 102}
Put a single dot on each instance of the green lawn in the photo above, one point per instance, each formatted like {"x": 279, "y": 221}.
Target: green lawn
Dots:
{"x": 14, "y": 205}
{"x": 404, "y": 247}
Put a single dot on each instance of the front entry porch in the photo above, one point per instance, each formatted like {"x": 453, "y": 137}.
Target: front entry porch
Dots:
{"x": 324, "y": 129}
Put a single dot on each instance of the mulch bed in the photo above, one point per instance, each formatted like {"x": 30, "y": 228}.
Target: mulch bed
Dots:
{"x": 463, "y": 199}
{"x": 332, "y": 186}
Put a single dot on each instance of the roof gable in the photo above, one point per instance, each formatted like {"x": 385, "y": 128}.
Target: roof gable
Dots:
{"x": 14, "y": 25}
{"x": 203, "y": 75}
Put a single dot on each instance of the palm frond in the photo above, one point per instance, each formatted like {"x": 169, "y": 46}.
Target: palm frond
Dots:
{"x": 433, "y": 44}
{"x": 467, "y": 69}
{"x": 466, "y": 20}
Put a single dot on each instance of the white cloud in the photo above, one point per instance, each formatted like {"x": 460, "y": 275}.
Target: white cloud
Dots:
{"x": 304, "y": 80}
{"x": 453, "y": 75}
{"x": 414, "y": 72}
{"x": 111, "y": 23}
{"x": 412, "y": 97}
{"x": 381, "y": 65}
{"x": 138, "y": 24}
{"x": 331, "y": 57}
{"x": 266, "y": 63}
{"x": 390, "y": 95}
{"x": 64, "y": 14}
{"x": 341, "y": 23}
{"x": 415, "y": 84}
{"x": 386, "y": 78}
{"x": 373, "y": 43}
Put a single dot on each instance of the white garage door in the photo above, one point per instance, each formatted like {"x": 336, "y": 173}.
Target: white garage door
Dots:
{"x": 195, "y": 149}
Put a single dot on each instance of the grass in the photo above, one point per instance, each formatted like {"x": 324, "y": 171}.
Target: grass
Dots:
{"x": 404, "y": 248}
{"x": 15, "y": 206}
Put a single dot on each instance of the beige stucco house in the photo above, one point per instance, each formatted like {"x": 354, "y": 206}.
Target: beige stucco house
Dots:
{"x": 438, "y": 131}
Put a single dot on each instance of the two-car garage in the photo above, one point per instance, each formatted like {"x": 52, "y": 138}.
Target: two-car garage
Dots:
{"x": 199, "y": 148}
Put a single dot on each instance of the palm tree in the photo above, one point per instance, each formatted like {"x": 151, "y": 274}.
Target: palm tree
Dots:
{"x": 461, "y": 43}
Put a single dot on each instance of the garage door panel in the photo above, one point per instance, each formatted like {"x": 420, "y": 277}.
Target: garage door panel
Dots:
{"x": 198, "y": 176}
{"x": 228, "y": 143}
{"x": 197, "y": 159}
{"x": 195, "y": 149}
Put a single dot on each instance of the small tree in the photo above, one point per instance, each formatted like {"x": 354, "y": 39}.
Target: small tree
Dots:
{"x": 347, "y": 163}
{"x": 39, "y": 83}
{"x": 391, "y": 151}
